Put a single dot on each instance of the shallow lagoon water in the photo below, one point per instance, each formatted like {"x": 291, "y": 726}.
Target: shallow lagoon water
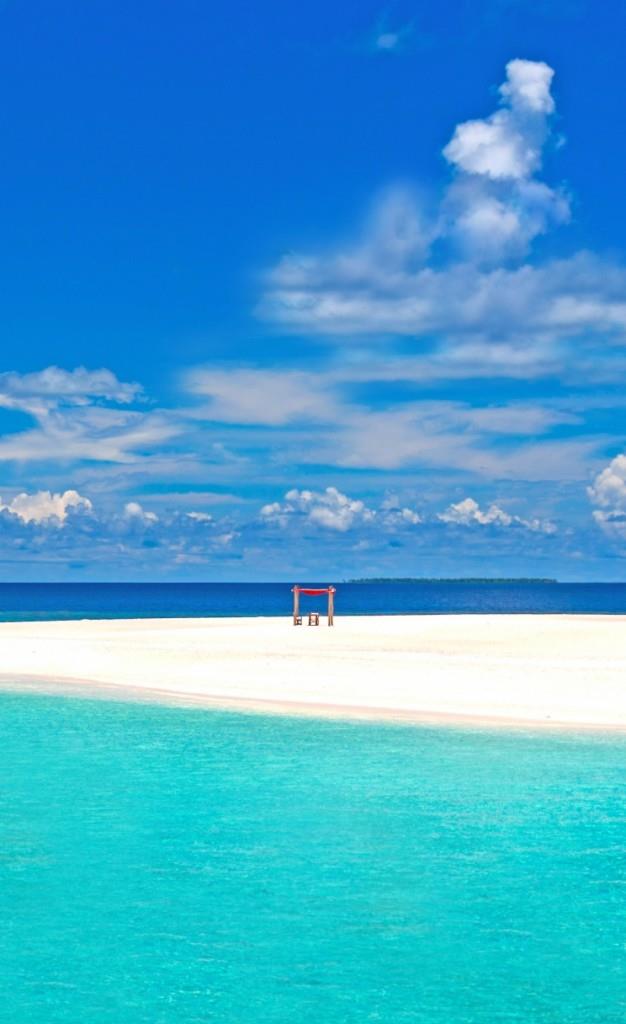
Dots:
{"x": 179, "y": 865}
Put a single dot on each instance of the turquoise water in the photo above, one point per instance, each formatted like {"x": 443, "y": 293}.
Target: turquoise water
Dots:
{"x": 177, "y": 865}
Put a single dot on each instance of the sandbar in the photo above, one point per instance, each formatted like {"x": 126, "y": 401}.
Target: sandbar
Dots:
{"x": 550, "y": 670}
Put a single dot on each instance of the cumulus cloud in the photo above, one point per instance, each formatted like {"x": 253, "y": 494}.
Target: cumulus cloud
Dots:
{"x": 136, "y": 513}
{"x": 609, "y": 487}
{"x": 329, "y": 509}
{"x": 508, "y": 143}
{"x": 133, "y": 538}
{"x": 45, "y": 507}
{"x": 394, "y": 513}
{"x": 608, "y": 494}
{"x": 458, "y": 276}
{"x": 490, "y": 222}
{"x": 468, "y": 512}
{"x": 527, "y": 87}
{"x": 332, "y": 510}
{"x": 65, "y": 529}
{"x": 496, "y": 206}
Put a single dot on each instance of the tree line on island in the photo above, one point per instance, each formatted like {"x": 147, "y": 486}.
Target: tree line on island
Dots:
{"x": 459, "y": 579}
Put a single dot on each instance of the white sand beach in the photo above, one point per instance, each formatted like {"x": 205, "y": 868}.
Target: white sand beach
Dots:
{"x": 527, "y": 669}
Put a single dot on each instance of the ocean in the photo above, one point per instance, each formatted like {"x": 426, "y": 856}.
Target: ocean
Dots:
{"x": 170, "y": 865}
{"x": 23, "y": 601}
{"x": 176, "y": 866}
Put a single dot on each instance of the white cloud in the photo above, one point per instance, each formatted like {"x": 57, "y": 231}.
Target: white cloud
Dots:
{"x": 260, "y": 396}
{"x": 388, "y": 282}
{"x": 275, "y": 512}
{"x": 527, "y": 87}
{"x": 608, "y": 493}
{"x": 45, "y": 507}
{"x": 134, "y": 512}
{"x": 328, "y": 417}
{"x": 387, "y": 40}
{"x": 86, "y": 432}
{"x": 394, "y": 514}
{"x": 453, "y": 436}
{"x": 534, "y": 308}
{"x": 76, "y": 416}
{"x": 224, "y": 540}
{"x": 329, "y": 509}
{"x": 492, "y": 222}
{"x": 609, "y": 487}
{"x": 332, "y": 510}
{"x": 78, "y": 384}
{"x": 516, "y": 418}
{"x": 492, "y": 148}
{"x": 508, "y": 143}
{"x": 468, "y": 513}
{"x": 200, "y": 517}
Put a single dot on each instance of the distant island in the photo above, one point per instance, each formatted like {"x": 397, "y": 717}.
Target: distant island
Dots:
{"x": 447, "y": 579}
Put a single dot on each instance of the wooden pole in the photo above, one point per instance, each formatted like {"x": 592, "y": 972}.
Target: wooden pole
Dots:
{"x": 296, "y": 604}
{"x": 331, "y": 606}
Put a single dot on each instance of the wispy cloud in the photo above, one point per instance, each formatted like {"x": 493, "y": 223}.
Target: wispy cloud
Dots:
{"x": 396, "y": 39}
{"x": 260, "y": 396}
{"x": 79, "y": 385}
{"x": 393, "y": 36}
{"x": 79, "y": 415}
{"x": 321, "y": 416}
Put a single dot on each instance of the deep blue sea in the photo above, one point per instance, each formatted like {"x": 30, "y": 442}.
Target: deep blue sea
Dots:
{"x": 176, "y": 866}
{"x": 144, "y": 600}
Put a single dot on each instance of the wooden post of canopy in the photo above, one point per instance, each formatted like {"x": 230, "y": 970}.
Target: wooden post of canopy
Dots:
{"x": 296, "y": 606}
{"x": 331, "y": 606}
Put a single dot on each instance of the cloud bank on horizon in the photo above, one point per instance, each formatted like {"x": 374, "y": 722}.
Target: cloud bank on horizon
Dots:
{"x": 445, "y": 392}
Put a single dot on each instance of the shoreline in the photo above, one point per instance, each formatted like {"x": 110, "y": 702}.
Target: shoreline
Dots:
{"x": 508, "y": 671}
{"x": 116, "y": 693}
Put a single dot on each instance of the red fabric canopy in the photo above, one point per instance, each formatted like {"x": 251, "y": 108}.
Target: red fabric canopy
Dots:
{"x": 304, "y": 590}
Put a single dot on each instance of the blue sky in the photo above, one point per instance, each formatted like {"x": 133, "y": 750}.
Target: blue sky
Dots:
{"x": 293, "y": 291}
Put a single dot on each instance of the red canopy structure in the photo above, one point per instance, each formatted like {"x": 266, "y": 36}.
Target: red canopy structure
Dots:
{"x": 315, "y": 591}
